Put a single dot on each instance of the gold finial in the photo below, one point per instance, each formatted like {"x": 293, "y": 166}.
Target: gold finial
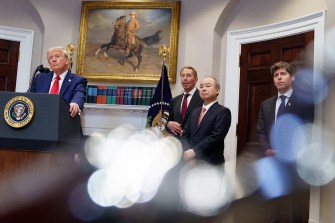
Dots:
{"x": 164, "y": 51}
{"x": 70, "y": 50}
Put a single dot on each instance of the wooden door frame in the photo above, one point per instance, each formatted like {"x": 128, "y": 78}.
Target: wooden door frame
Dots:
{"x": 314, "y": 22}
{"x": 25, "y": 37}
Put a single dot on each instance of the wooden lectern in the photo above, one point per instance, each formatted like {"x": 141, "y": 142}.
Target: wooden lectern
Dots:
{"x": 37, "y": 155}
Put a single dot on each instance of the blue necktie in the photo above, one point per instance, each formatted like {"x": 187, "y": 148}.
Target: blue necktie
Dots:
{"x": 281, "y": 109}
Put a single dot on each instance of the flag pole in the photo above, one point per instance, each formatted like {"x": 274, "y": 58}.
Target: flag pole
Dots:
{"x": 158, "y": 112}
{"x": 164, "y": 51}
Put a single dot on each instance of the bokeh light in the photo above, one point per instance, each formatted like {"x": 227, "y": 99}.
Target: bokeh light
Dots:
{"x": 273, "y": 177}
{"x": 288, "y": 137}
{"x": 204, "y": 189}
{"x": 310, "y": 86}
{"x": 133, "y": 166}
{"x": 315, "y": 164}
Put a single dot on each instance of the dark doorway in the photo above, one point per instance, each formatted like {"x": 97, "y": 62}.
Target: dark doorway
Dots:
{"x": 256, "y": 85}
{"x": 9, "y": 57}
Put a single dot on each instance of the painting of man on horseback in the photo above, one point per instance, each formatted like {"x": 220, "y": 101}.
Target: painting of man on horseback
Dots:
{"x": 120, "y": 42}
{"x": 124, "y": 38}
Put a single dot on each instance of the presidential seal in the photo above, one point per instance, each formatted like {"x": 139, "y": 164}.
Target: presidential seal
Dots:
{"x": 19, "y": 111}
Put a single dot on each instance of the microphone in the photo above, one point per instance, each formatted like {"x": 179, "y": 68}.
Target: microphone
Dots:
{"x": 39, "y": 69}
{"x": 42, "y": 69}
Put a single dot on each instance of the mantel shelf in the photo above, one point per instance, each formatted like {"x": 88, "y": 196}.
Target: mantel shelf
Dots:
{"x": 110, "y": 107}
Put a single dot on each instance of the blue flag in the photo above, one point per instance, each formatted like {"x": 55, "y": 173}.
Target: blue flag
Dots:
{"x": 160, "y": 103}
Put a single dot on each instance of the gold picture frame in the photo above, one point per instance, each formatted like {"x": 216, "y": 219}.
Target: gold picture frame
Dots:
{"x": 102, "y": 47}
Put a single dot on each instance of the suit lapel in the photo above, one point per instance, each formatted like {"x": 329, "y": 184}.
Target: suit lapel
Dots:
{"x": 272, "y": 110}
{"x": 48, "y": 81}
{"x": 177, "y": 108}
{"x": 210, "y": 111}
{"x": 193, "y": 103}
{"x": 66, "y": 83}
{"x": 196, "y": 114}
{"x": 290, "y": 104}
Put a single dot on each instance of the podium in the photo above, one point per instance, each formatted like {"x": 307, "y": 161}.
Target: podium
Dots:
{"x": 50, "y": 127}
{"x": 34, "y": 154}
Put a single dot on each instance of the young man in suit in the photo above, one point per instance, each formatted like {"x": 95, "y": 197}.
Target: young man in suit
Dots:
{"x": 189, "y": 98}
{"x": 61, "y": 81}
{"x": 283, "y": 76}
{"x": 207, "y": 127}
{"x": 287, "y": 101}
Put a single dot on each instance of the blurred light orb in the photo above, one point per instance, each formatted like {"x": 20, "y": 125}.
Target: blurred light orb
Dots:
{"x": 97, "y": 151}
{"x": 310, "y": 86}
{"x": 315, "y": 165}
{"x": 287, "y": 137}
{"x": 106, "y": 187}
{"x": 204, "y": 189}
{"x": 273, "y": 178}
{"x": 132, "y": 165}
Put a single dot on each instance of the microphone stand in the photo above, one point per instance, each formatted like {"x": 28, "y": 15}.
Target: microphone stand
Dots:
{"x": 39, "y": 69}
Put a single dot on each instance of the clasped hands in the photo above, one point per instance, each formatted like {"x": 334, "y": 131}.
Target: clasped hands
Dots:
{"x": 175, "y": 128}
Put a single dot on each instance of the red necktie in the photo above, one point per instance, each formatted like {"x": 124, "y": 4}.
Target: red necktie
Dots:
{"x": 184, "y": 106}
{"x": 55, "y": 86}
{"x": 201, "y": 115}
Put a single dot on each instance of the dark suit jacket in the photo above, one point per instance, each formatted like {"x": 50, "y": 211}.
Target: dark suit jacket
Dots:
{"x": 73, "y": 88}
{"x": 207, "y": 139}
{"x": 266, "y": 119}
{"x": 175, "y": 103}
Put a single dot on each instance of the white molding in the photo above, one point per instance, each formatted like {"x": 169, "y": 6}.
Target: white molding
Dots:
{"x": 235, "y": 39}
{"x": 25, "y": 37}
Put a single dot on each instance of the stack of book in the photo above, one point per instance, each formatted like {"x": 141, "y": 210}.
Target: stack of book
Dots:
{"x": 119, "y": 95}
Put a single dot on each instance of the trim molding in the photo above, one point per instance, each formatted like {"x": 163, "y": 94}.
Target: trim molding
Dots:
{"x": 25, "y": 37}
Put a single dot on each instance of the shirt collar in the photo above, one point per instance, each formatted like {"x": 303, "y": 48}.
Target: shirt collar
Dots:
{"x": 191, "y": 92}
{"x": 209, "y": 105}
{"x": 62, "y": 76}
{"x": 287, "y": 93}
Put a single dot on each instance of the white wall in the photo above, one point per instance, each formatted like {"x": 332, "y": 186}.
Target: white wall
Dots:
{"x": 23, "y": 15}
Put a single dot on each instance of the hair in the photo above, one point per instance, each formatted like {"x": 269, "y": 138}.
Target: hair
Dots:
{"x": 195, "y": 73}
{"x": 217, "y": 83}
{"x": 281, "y": 64}
{"x": 58, "y": 48}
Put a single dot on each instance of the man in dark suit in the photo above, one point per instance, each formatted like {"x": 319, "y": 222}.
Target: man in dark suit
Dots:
{"x": 287, "y": 101}
{"x": 71, "y": 86}
{"x": 207, "y": 127}
{"x": 189, "y": 98}
{"x": 283, "y": 76}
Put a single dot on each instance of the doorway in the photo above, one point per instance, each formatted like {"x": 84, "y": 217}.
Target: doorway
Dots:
{"x": 256, "y": 83}
{"x": 231, "y": 89}
{"x": 9, "y": 57}
{"x": 25, "y": 37}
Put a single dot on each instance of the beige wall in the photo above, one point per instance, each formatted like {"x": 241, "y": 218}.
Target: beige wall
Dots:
{"x": 202, "y": 41}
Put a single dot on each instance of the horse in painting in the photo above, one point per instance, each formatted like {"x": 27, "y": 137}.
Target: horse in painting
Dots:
{"x": 119, "y": 41}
